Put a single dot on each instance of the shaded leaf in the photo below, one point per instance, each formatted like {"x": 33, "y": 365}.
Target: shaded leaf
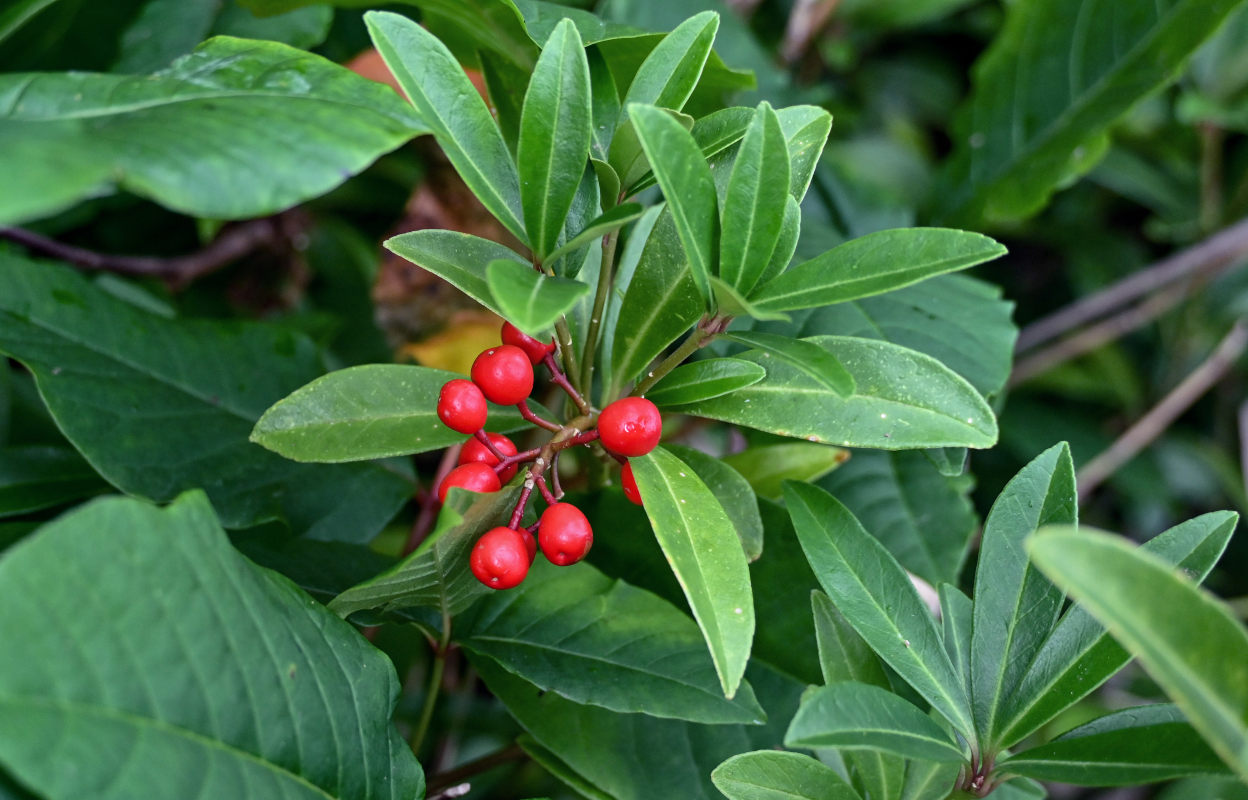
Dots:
{"x": 33, "y": 477}
{"x": 957, "y": 620}
{"x": 608, "y": 221}
{"x": 843, "y": 654}
{"x": 767, "y": 467}
{"x": 815, "y": 361}
{"x": 458, "y": 258}
{"x": 773, "y": 775}
{"x": 782, "y": 582}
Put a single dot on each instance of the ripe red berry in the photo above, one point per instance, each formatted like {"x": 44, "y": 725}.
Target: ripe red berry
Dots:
{"x": 461, "y": 405}
{"x": 630, "y": 484}
{"x": 475, "y": 477}
{"x": 533, "y": 348}
{"x": 500, "y": 558}
{"x": 473, "y": 450}
{"x": 504, "y": 374}
{"x": 529, "y": 543}
{"x": 631, "y": 426}
{"x": 565, "y": 534}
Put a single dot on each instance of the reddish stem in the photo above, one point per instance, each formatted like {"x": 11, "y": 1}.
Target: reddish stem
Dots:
{"x": 518, "y": 513}
{"x": 528, "y": 414}
{"x": 489, "y": 445}
{"x": 558, "y": 377}
{"x": 546, "y": 494}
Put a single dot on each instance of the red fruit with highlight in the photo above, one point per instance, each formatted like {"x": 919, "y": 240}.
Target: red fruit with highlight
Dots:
{"x": 530, "y": 543}
{"x": 565, "y": 534}
{"x": 631, "y": 426}
{"x": 504, "y": 374}
{"x": 630, "y": 484}
{"x": 500, "y": 558}
{"x": 475, "y": 477}
{"x": 461, "y": 405}
{"x": 473, "y": 450}
{"x": 535, "y": 349}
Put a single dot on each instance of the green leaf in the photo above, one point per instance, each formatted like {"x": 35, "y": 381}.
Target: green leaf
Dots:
{"x": 808, "y": 357}
{"x": 1055, "y": 78}
{"x": 450, "y": 106}
{"x": 1188, "y": 641}
{"x": 1136, "y": 745}
{"x": 783, "y": 582}
{"x": 554, "y": 136}
{"x": 957, "y": 619}
{"x": 731, "y": 303}
{"x": 685, "y": 178}
{"x": 753, "y": 212}
{"x": 1015, "y": 606}
{"x": 873, "y": 264}
{"x": 189, "y": 137}
{"x": 905, "y": 400}
{"x": 702, "y": 380}
{"x": 594, "y": 640}
{"x": 843, "y": 654}
{"x": 701, "y": 545}
{"x": 1079, "y": 655}
{"x": 604, "y": 110}
{"x": 458, "y": 258}
{"x": 767, "y": 467}
{"x": 304, "y": 28}
{"x": 773, "y": 775}
{"x": 714, "y": 133}
{"x": 858, "y": 716}
{"x": 162, "y": 31}
{"x": 506, "y": 87}
{"x": 18, "y": 13}
{"x": 878, "y": 599}
{"x": 436, "y": 574}
{"x": 608, "y": 221}
{"x": 158, "y": 405}
{"x": 225, "y": 675}
{"x": 671, "y": 71}
{"x": 733, "y": 493}
{"x": 33, "y": 477}
{"x": 533, "y": 302}
{"x": 369, "y": 411}
{"x": 806, "y": 131}
{"x": 556, "y": 767}
{"x": 928, "y": 780}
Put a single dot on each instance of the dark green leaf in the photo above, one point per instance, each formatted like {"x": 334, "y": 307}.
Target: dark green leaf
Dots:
{"x": 767, "y": 467}
{"x": 873, "y": 264}
{"x": 158, "y": 406}
{"x": 1189, "y": 642}
{"x": 701, "y": 545}
{"x": 786, "y": 245}
{"x": 304, "y": 28}
{"x": 41, "y": 476}
{"x": 531, "y": 301}
{"x": 928, "y": 780}
{"x": 450, "y": 106}
{"x": 556, "y": 767}
{"x": 773, "y": 775}
{"x": 957, "y": 619}
{"x": 671, "y": 71}
{"x": 164, "y": 30}
{"x": 167, "y": 672}
{"x": 554, "y": 136}
{"x": 190, "y": 138}
{"x": 702, "y": 380}
{"x": 458, "y": 258}
{"x": 506, "y": 87}
{"x": 609, "y": 221}
{"x": 782, "y": 582}
{"x": 753, "y": 212}
{"x": 731, "y": 303}
{"x": 593, "y": 640}
{"x": 859, "y": 716}
{"x": 604, "y": 109}
{"x": 843, "y": 654}
{"x": 733, "y": 493}
{"x": 18, "y": 13}
{"x": 813, "y": 360}
{"x": 878, "y": 599}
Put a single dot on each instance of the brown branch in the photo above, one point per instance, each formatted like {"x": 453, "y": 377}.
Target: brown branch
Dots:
{"x": 1153, "y": 424}
{"x": 1219, "y": 250}
{"x": 454, "y": 777}
{"x": 806, "y": 22}
{"x": 232, "y": 244}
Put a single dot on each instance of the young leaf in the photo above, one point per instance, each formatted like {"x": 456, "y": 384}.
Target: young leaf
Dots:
{"x": 957, "y": 619}
{"x": 1188, "y": 641}
{"x": 1146, "y": 744}
{"x": 364, "y": 412}
{"x": 753, "y": 212}
{"x": 843, "y": 654}
{"x": 767, "y": 467}
{"x": 905, "y": 400}
{"x": 729, "y": 302}
{"x": 808, "y": 357}
{"x": 873, "y": 264}
{"x": 876, "y": 596}
{"x": 458, "y": 258}
{"x": 1016, "y": 606}
{"x": 775, "y": 775}
{"x": 702, "y": 380}
{"x": 449, "y": 105}
{"x": 701, "y": 545}
{"x": 858, "y": 716}
{"x": 786, "y": 244}
{"x": 733, "y": 493}
{"x": 669, "y": 74}
{"x": 608, "y": 221}
{"x": 1079, "y": 655}
{"x": 714, "y": 133}
{"x": 603, "y": 642}
{"x": 686, "y": 181}
{"x": 554, "y": 136}
{"x": 159, "y": 604}
{"x": 806, "y": 131}
{"x": 528, "y": 299}
{"x": 188, "y": 137}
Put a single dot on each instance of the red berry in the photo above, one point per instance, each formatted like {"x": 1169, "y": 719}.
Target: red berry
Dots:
{"x": 529, "y": 542}
{"x": 504, "y": 374}
{"x": 473, "y": 450}
{"x": 565, "y": 534}
{"x": 630, "y": 484}
{"x": 475, "y": 477}
{"x": 533, "y": 348}
{"x": 631, "y": 426}
{"x": 461, "y": 405}
{"x": 500, "y": 558}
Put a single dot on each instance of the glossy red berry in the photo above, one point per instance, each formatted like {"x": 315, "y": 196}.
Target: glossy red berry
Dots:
{"x": 473, "y": 450}
{"x": 630, "y": 484}
{"x": 475, "y": 477}
{"x": 529, "y": 542}
{"x": 500, "y": 558}
{"x": 631, "y": 426}
{"x": 565, "y": 534}
{"x": 504, "y": 374}
{"x": 535, "y": 349}
{"x": 461, "y": 405}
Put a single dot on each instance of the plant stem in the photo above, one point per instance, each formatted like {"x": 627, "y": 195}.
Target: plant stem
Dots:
{"x": 605, "y": 276}
{"x": 566, "y": 351}
{"x": 459, "y": 774}
{"x": 1211, "y": 137}
{"x": 528, "y": 414}
{"x": 435, "y": 685}
{"x": 561, "y": 380}
{"x": 706, "y": 330}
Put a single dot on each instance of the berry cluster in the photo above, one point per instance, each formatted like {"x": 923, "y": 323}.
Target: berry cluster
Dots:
{"x": 504, "y": 375}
